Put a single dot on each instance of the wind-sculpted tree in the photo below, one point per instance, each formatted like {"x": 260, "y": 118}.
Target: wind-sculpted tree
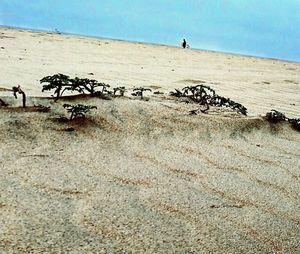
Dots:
{"x": 198, "y": 93}
{"x": 275, "y": 116}
{"x": 238, "y": 107}
{"x": 75, "y": 84}
{"x": 140, "y": 91}
{"x": 19, "y": 91}
{"x": 56, "y": 82}
{"x": 120, "y": 89}
{"x": 189, "y": 89}
{"x": 78, "y": 110}
{"x": 61, "y": 83}
{"x": 83, "y": 85}
{"x": 220, "y": 101}
{"x": 205, "y": 95}
{"x": 295, "y": 122}
{"x": 104, "y": 87}
{"x": 90, "y": 85}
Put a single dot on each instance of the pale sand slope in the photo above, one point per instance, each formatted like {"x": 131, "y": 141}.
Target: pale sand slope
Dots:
{"x": 144, "y": 176}
{"x": 259, "y": 84}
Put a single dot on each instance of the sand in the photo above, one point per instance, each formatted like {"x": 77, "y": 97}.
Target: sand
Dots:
{"x": 143, "y": 175}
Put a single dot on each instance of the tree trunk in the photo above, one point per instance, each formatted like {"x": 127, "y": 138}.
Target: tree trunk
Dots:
{"x": 24, "y": 98}
{"x": 57, "y": 93}
{"x": 19, "y": 91}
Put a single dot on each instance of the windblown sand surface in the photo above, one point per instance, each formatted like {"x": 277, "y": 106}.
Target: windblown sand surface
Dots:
{"x": 141, "y": 176}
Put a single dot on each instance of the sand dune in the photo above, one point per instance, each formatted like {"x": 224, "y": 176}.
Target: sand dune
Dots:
{"x": 145, "y": 176}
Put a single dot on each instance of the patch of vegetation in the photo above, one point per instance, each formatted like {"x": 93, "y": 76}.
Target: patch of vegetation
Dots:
{"x": 205, "y": 95}
{"x": 139, "y": 91}
{"x": 61, "y": 83}
{"x": 78, "y": 110}
{"x": 55, "y": 82}
{"x": 275, "y": 116}
{"x": 120, "y": 89}
{"x": 104, "y": 88}
{"x": 295, "y": 122}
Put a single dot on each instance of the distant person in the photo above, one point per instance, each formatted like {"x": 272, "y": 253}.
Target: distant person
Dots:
{"x": 184, "y": 44}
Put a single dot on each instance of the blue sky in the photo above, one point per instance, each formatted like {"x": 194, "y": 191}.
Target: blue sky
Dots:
{"x": 269, "y": 28}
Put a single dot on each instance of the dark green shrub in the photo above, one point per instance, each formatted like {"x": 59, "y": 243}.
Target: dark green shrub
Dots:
{"x": 275, "y": 116}
{"x": 61, "y": 83}
{"x": 295, "y": 122}
{"x": 140, "y": 91}
{"x": 205, "y": 95}
{"x": 78, "y": 110}
{"x": 120, "y": 89}
{"x": 56, "y": 82}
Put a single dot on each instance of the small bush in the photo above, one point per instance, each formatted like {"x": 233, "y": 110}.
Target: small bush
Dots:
{"x": 120, "y": 89}
{"x": 275, "y": 116}
{"x": 55, "y": 82}
{"x": 205, "y": 95}
{"x": 139, "y": 91}
{"x": 78, "y": 110}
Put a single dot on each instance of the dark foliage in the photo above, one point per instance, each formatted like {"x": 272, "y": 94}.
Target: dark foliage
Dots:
{"x": 177, "y": 93}
{"x": 205, "y": 95}
{"x": 295, "y": 122}
{"x": 120, "y": 89}
{"x": 56, "y": 82}
{"x": 61, "y": 83}
{"x": 275, "y": 116}
{"x": 139, "y": 91}
{"x": 158, "y": 92}
{"x": 78, "y": 110}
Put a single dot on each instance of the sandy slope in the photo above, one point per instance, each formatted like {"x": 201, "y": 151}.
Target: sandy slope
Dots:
{"x": 144, "y": 176}
{"x": 259, "y": 84}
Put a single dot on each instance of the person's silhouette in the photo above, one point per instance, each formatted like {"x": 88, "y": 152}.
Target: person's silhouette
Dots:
{"x": 184, "y": 44}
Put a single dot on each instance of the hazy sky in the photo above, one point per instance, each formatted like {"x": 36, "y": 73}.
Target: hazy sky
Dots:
{"x": 268, "y": 28}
